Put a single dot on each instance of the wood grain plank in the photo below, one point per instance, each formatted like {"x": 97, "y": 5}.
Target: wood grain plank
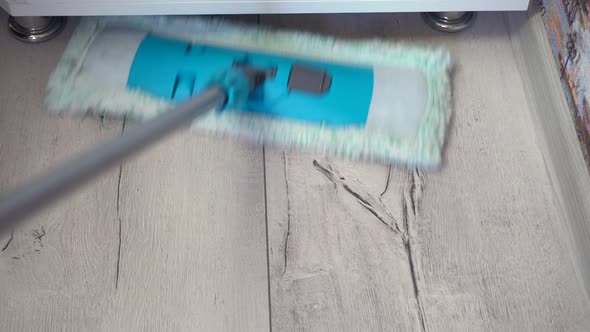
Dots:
{"x": 338, "y": 256}
{"x": 556, "y": 131}
{"x": 489, "y": 234}
{"x": 484, "y": 246}
{"x": 172, "y": 240}
{"x": 57, "y": 270}
{"x": 193, "y": 238}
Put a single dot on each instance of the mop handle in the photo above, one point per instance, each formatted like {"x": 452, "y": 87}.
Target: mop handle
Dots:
{"x": 72, "y": 174}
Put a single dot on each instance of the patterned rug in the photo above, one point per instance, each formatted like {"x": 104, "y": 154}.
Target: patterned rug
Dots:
{"x": 568, "y": 27}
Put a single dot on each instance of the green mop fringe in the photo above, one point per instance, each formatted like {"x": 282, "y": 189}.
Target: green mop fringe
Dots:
{"x": 67, "y": 92}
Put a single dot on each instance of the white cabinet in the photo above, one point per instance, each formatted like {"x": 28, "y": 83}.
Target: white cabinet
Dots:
{"x": 161, "y": 7}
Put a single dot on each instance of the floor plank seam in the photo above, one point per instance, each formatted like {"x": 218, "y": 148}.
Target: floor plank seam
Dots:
{"x": 258, "y": 19}
{"x": 120, "y": 228}
{"x": 267, "y": 237}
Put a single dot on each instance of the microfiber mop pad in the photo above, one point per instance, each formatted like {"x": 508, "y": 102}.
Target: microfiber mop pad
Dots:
{"x": 72, "y": 89}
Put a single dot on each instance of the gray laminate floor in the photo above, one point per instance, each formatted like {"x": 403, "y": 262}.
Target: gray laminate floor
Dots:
{"x": 203, "y": 233}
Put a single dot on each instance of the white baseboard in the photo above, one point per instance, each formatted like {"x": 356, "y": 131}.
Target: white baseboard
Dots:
{"x": 188, "y": 7}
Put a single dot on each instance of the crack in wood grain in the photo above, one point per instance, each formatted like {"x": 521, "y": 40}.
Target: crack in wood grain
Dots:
{"x": 7, "y": 244}
{"x": 386, "y": 181}
{"x": 119, "y": 219}
{"x": 419, "y": 308}
{"x": 286, "y": 244}
{"x": 365, "y": 199}
{"x": 38, "y": 234}
{"x": 413, "y": 195}
{"x": 416, "y": 187}
{"x": 413, "y": 274}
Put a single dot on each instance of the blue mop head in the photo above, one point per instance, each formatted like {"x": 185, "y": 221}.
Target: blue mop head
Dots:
{"x": 410, "y": 131}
